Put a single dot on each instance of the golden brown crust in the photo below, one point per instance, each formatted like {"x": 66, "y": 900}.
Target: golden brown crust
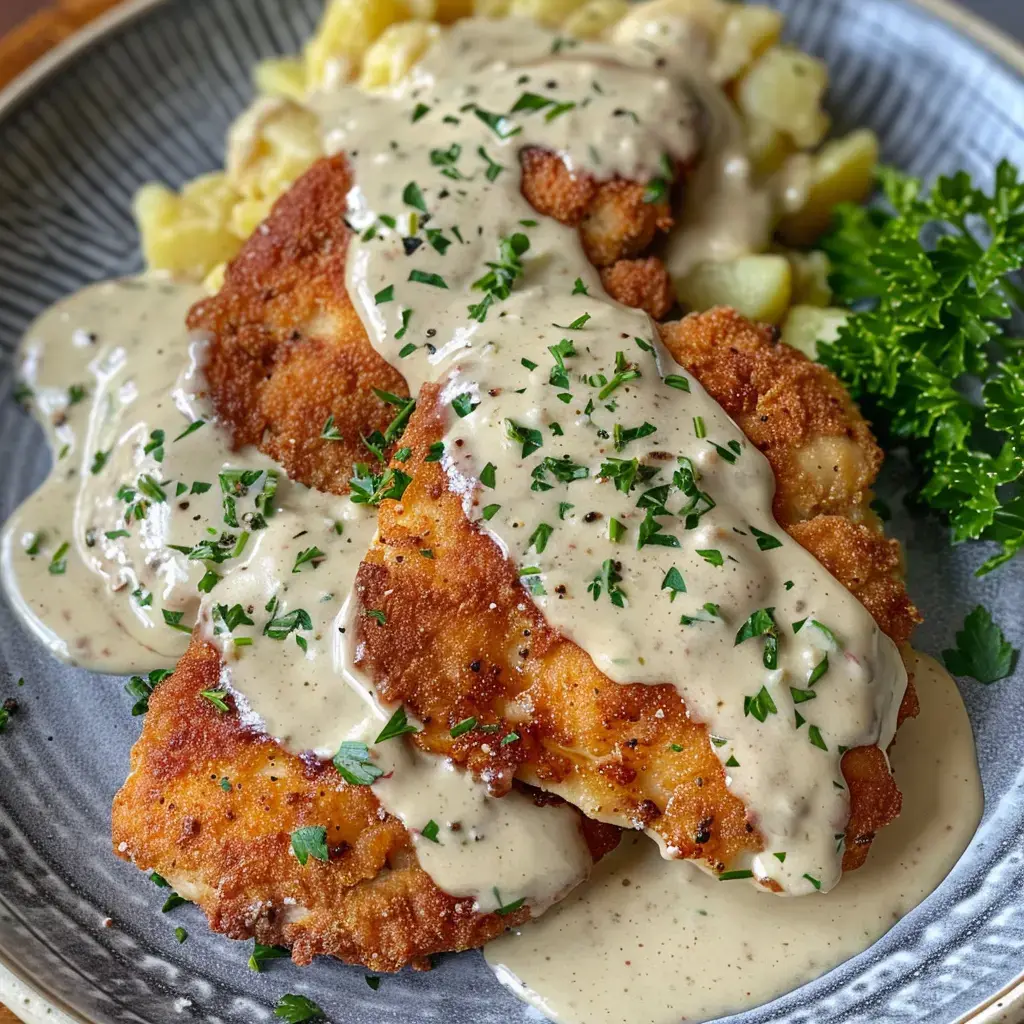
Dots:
{"x": 614, "y": 221}
{"x": 461, "y": 641}
{"x": 287, "y": 349}
{"x": 642, "y": 283}
{"x": 229, "y": 851}
{"x": 795, "y": 411}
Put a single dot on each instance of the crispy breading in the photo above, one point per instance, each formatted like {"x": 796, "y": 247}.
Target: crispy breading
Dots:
{"x": 286, "y": 347}
{"x": 462, "y": 641}
{"x": 795, "y": 411}
{"x": 226, "y": 845}
{"x": 642, "y": 283}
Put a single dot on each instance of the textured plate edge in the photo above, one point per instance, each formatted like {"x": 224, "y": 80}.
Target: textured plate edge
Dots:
{"x": 1003, "y": 1007}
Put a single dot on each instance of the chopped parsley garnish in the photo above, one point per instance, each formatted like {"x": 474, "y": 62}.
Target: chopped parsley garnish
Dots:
{"x": 155, "y": 445}
{"x": 280, "y": 627}
{"x": 762, "y": 623}
{"x": 99, "y": 460}
{"x": 409, "y": 348}
{"x": 493, "y": 168}
{"x": 650, "y": 532}
{"x": 398, "y": 725}
{"x": 699, "y": 430}
{"x": 564, "y": 507}
{"x": 377, "y": 615}
{"x": 981, "y": 652}
{"x": 761, "y": 705}
{"x": 563, "y": 470}
{"x": 530, "y": 102}
{"x": 463, "y": 404}
{"x": 419, "y": 111}
{"x": 173, "y": 619}
{"x": 607, "y": 581}
{"x": 673, "y": 380}
{"x": 801, "y": 696}
{"x": 498, "y": 123}
{"x": 76, "y": 394}
{"x": 780, "y": 857}
{"x": 765, "y": 541}
{"x": 423, "y": 277}
{"x": 298, "y": 1010}
{"x": 579, "y": 288}
{"x": 489, "y": 511}
{"x": 180, "y": 934}
{"x": 308, "y": 556}
{"x": 616, "y": 530}
{"x": 732, "y": 762}
{"x": 577, "y": 325}
{"x": 430, "y": 831}
{"x": 814, "y": 881}
{"x": 529, "y": 438}
{"x": 503, "y": 909}
{"x": 355, "y": 765}
{"x": 435, "y": 451}
{"x": 208, "y": 582}
{"x": 412, "y": 196}
{"x": 261, "y": 953}
{"x": 140, "y": 689}
{"x": 711, "y": 555}
{"x": 814, "y": 735}
{"x": 172, "y": 903}
{"x": 508, "y": 738}
{"x": 622, "y": 436}
{"x": 216, "y": 698}
{"x": 462, "y": 727}
{"x": 373, "y": 981}
{"x": 539, "y": 538}
{"x": 674, "y": 583}
{"x": 818, "y": 671}
{"x": 657, "y": 189}
{"x": 384, "y": 295}
{"x": 310, "y": 841}
{"x": 369, "y": 488}
{"x": 59, "y": 562}
{"x": 497, "y": 283}
{"x": 733, "y": 876}
{"x": 487, "y": 475}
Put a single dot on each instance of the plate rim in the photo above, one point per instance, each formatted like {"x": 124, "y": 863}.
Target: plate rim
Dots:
{"x": 982, "y": 32}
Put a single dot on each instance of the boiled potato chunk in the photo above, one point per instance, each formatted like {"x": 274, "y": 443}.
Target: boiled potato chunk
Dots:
{"x": 810, "y": 277}
{"x": 843, "y": 171}
{"x": 767, "y": 147}
{"x": 748, "y": 31}
{"x": 784, "y": 88}
{"x": 806, "y": 326}
{"x": 281, "y": 76}
{"x": 644, "y": 18}
{"x": 491, "y": 8}
{"x": 757, "y": 286}
{"x": 595, "y": 17}
{"x": 346, "y": 32}
{"x": 388, "y": 60}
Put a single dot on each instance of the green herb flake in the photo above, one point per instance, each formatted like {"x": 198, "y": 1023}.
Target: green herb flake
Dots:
{"x": 462, "y": 727}
{"x": 355, "y": 765}
{"x": 982, "y": 652}
{"x": 310, "y": 841}
{"x": 294, "y": 1009}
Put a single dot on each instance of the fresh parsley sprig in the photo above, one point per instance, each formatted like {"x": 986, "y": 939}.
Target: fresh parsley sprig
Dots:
{"x": 927, "y": 354}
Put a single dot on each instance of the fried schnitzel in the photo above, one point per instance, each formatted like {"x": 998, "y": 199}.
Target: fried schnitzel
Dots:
{"x": 462, "y": 640}
{"x": 210, "y": 804}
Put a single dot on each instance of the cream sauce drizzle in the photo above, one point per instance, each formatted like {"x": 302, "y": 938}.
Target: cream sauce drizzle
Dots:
{"x": 125, "y": 343}
{"x": 552, "y": 393}
{"x": 653, "y": 943}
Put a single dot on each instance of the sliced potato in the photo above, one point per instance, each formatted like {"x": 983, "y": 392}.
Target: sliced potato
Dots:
{"x": 757, "y": 286}
{"x": 748, "y": 31}
{"x": 281, "y": 76}
{"x": 805, "y": 326}
{"x": 784, "y": 88}
{"x": 551, "y": 13}
{"x": 843, "y": 171}
{"x": 400, "y": 46}
{"x": 595, "y": 17}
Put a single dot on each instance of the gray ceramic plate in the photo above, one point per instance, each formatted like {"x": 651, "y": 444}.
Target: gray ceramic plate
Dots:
{"x": 150, "y": 97}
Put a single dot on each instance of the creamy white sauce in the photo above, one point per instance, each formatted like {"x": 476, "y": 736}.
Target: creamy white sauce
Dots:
{"x": 297, "y": 550}
{"x": 540, "y": 437}
{"x": 654, "y": 943}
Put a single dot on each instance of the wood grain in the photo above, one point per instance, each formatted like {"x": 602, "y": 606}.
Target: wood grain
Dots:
{"x": 27, "y": 42}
